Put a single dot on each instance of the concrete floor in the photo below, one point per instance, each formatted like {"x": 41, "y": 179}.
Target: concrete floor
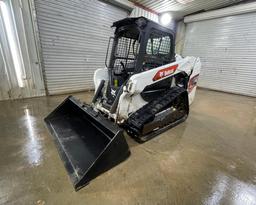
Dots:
{"x": 209, "y": 159}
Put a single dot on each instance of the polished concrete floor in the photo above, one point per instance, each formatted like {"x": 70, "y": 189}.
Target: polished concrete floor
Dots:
{"x": 209, "y": 159}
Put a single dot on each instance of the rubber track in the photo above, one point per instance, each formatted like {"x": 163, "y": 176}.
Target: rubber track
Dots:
{"x": 146, "y": 114}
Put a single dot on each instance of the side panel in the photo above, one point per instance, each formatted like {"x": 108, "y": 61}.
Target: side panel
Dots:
{"x": 139, "y": 81}
{"x": 131, "y": 100}
{"x": 193, "y": 80}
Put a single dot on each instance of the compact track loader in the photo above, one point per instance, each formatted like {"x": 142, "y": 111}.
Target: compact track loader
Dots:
{"x": 145, "y": 89}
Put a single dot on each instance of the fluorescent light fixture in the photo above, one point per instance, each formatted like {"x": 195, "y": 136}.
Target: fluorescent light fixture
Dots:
{"x": 184, "y": 1}
{"x": 12, "y": 43}
{"x": 165, "y": 19}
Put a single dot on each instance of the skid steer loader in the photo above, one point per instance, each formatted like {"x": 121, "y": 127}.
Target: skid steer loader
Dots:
{"x": 145, "y": 89}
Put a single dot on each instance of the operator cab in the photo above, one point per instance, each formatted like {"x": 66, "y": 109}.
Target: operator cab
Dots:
{"x": 124, "y": 53}
{"x": 139, "y": 45}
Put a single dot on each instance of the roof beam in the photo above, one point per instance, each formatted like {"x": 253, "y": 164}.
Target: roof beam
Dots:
{"x": 125, "y": 4}
{"x": 145, "y": 8}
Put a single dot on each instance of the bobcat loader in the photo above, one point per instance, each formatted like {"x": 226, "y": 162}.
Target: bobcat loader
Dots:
{"x": 144, "y": 90}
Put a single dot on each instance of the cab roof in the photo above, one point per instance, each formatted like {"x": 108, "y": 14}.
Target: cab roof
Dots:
{"x": 143, "y": 23}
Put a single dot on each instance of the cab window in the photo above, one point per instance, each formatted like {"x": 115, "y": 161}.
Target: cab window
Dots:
{"x": 158, "y": 50}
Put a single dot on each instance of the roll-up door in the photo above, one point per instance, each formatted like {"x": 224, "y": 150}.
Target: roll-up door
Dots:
{"x": 227, "y": 48}
{"x": 74, "y": 36}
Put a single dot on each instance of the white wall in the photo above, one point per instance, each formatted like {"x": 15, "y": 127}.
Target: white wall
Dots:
{"x": 32, "y": 78}
{"x": 225, "y": 41}
{"x": 74, "y": 37}
{"x": 4, "y": 81}
{"x": 180, "y": 37}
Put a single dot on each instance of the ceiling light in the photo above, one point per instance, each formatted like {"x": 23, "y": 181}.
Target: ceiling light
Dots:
{"x": 165, "y": 19}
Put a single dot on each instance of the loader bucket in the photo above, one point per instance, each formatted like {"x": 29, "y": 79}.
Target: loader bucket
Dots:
{"x": 87, "y": 142}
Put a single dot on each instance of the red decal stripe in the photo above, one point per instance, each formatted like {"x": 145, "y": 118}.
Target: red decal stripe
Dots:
{"x": 192, "y": 83}
{"x": 165, "y": 72}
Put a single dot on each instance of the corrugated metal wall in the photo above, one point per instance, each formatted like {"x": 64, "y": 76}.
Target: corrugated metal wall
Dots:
{"x": 74, "y": 36}
{"x": 5, "y": 58}
{"x": 23, "y": 38}
{"x": 33, "y": 77}
{"x": 4, "y": 80}
{"x": 227, "y": 48}
{"x": 137, "y": 12}
{"x": 180, "y": 37}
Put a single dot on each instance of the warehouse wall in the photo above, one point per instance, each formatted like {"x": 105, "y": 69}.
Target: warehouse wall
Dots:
{"x": 4, "y": 81}
{"x": 74, "y": 37}
{"x": 180, "y": 37}
{"x": 22, "y": 28}
{"x": 225, "y": 41}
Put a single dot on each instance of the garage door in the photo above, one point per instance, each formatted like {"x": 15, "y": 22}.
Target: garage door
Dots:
{"x": 227, "y": 48}
{"x": 74, "y": 36}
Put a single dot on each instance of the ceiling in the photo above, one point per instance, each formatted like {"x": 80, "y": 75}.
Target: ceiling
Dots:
{"x": 181, "y": 8}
